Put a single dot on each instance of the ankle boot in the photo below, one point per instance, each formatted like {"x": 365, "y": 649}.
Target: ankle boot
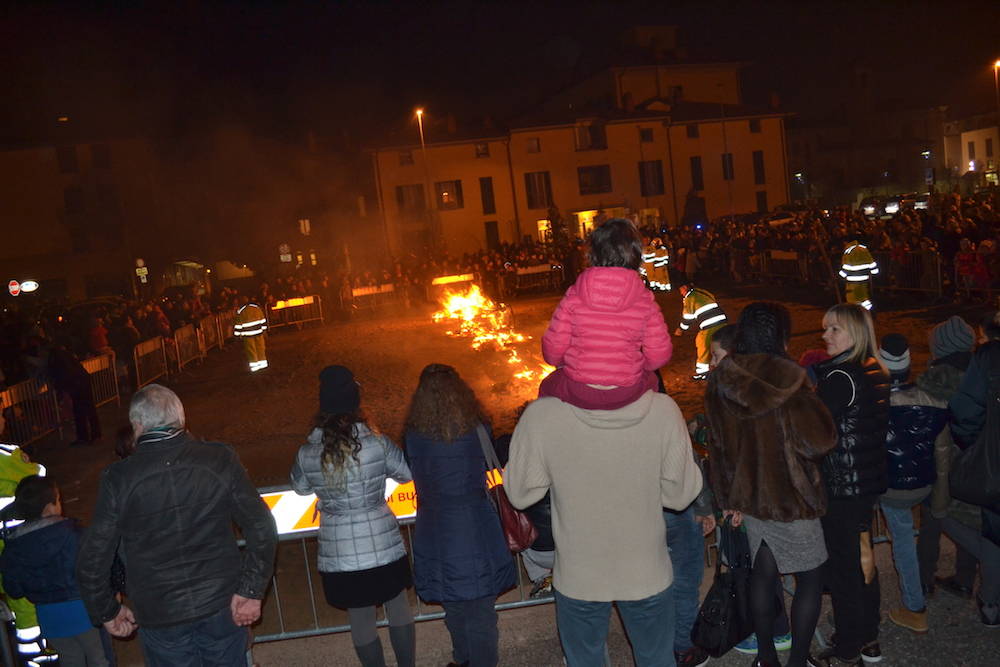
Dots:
{"x": 404, "y": 644}
{"x": 370, "y": 655}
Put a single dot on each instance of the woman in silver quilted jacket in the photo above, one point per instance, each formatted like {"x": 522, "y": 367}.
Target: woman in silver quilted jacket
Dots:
{"x": 362, "y": 559}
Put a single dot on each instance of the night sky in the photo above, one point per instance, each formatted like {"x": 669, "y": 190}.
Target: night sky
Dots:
{"x": 359, "y": 69}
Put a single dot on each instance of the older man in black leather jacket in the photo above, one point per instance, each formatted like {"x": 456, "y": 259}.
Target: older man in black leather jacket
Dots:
{"x": 172, "y": 505}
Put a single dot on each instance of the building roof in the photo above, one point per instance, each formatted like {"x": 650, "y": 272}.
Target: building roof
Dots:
{"x": 656, "y": 109}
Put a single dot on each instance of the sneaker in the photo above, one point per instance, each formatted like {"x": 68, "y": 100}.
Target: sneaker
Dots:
{"x": 871, "y": 652}
{"x": 542, "y": 587}
{"x": 989, "y": 614}
{"x": 693, "y": 657}
{"x": 749, "y": 645}
{"x": 828, "y": 658}
{"x": 951, "y": 585}
{"x": 911, "y": 620}
{"x": 783, "y": 642}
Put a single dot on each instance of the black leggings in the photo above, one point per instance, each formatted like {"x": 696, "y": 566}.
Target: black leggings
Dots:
{"x": 805, "y": 608}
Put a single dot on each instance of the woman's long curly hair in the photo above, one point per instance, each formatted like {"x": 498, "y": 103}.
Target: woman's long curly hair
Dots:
{"x": 764, "y": 326}
{"x": 443, "y": 407}
{"x": 340, "y": 443}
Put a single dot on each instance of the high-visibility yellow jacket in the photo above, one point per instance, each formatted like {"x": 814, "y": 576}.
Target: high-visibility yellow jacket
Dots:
{"x": 700, "y": 307}
{"x": 648, "y": 257}
{"x": 857, "y": 264}
{"x": 250, "y": 321}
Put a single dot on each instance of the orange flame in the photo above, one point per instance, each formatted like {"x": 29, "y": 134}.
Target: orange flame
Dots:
{"x": 486, "y": 322}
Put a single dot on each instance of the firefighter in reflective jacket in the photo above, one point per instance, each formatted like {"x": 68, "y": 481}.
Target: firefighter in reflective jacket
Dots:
{"x": 858, "y": 266}
{"x": 661, "y": 262}
{"x": 700, "y": 308}
{"x": 15, "y": 466}
{"x": 250, "y": 326}
{"x": 648, "y": 260}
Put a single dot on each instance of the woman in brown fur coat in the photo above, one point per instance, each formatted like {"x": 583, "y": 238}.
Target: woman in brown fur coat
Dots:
{"x": 770, "y": 431}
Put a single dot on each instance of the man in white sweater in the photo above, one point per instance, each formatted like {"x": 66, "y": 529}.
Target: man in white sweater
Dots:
{"x": 610, "y": 473}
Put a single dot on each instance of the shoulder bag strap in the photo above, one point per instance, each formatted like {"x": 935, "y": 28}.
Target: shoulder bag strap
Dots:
{"x": 489, "y": 453}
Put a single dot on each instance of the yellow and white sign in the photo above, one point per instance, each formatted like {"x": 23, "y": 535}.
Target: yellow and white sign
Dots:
{"x": 296, "y": 514}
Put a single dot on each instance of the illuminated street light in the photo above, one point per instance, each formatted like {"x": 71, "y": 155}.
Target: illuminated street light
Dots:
{"x": 423, "y": 157}
{"x": 996, "y": 90}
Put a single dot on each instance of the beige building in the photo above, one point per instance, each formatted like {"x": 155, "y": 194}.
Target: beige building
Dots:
{"x": 69, "y": 214}
{"x": 665, "y": 159}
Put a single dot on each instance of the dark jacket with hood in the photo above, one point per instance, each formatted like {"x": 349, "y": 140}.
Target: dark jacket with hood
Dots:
{"x": 39, "y": 560}
{"x": 172, "y": 505}
{"x": 857, "y": 396}
{"x": 915, "y": 420}
{"x": 769, "y": 432}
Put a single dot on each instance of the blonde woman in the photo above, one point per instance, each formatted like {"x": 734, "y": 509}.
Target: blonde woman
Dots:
{"x": 855, "y": 388}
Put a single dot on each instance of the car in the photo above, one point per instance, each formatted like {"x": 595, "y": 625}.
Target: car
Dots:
{"x": 872, "y": 207}
{"x": 922, "y": 202}
{"x": 898, "y": 203}
{"x": 779, "y": 218}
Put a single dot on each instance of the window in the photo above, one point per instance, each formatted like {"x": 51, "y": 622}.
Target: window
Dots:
{"x": 449, "y": 195}
{"x": 762, "y": 201}
{"x": 534, "y": 145}
{"x": 591, "y": 137}
{"x": 759, "y": 177}
{"x": 410, "y": 198}
{"x": 101, "y": 155}
{"x": 972, "y": 150}
{"x": 486, "y": 192}
{"x": 594, "y": 180}
{"x": 755, "y": 125}
{"x": 539, "y": 189}
{"x": 692, "y": 131}
{"x": 989, "y": 147}
{"x": 405, "y": 158}
{"x": 646, "y": 135}
{"x": 66, "y": 155}
{"x": 651, "y": 178}
{"x": 482, "y": 149}
{"x": 492, "y": 234}
{"x": 727, "y": 166}
{"x": 697, "y": 180}
{"x": 110, "y": 213}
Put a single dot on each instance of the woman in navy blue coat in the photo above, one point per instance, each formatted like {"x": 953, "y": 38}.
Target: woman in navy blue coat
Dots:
{"x": 460, "y": 556}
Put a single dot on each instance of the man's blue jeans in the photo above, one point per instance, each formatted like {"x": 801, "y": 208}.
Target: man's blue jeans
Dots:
{"x": 687, "y": 555}
{"x": 904, "y": 554}
{"x": 649, "y": 623}
{"x": 214, "y": 641}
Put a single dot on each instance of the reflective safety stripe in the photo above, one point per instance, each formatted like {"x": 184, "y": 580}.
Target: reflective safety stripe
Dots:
{"x": 6, "y": 449}
{"x": 857, "y": 279}
{"x": 690, "y": 316}
{"x": 842, "y": 274}
{"x": 704, "y": 309}
{"x": 700, "y": 367}
{"x": 258, "y": 365}
{"x": 685, "y": 326}
{"x": 867, "y": 304}
{"x": 247, "y": 325}
{"x": 874, "y": 269}
{"x": 859, "y": 267}
{"x": 28, "y": 634}
{"x": 721, "y": 317}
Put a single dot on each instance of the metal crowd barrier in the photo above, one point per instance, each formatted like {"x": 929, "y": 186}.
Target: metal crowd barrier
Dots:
{"x": 187, "y": 345}
{"x": 103, "y": 378}
{"x": 301, "y": 616}
{"x": 782, "y": 264}
{"x": 373, "y": 296}
{"x": 916, "y": 271}
{"x": 541, "y": 277}
{"x": 297, "y": 311}
{"x": 227, "y": 322}
{"x": 31, "y": 409}
{"x": 208, "y": 329}
{"x": 150, "y": 359}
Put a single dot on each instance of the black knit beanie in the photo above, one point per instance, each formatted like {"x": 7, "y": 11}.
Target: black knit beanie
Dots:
{"x": 338, "y": 391}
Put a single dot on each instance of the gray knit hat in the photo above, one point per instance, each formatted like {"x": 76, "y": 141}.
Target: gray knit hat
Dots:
{"x": 895, "y": 353}
{"x": 951, "y": 336}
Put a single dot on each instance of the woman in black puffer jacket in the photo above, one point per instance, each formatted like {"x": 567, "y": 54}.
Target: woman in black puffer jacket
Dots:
{"x": 855, "y": 388}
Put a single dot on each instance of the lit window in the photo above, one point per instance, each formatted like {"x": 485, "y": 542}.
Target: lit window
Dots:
{"x": 534, "y": 145}
{"x": 482, "y": 149}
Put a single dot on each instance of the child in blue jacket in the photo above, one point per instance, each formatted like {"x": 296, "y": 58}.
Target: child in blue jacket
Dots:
{"x": 39, "y": 563}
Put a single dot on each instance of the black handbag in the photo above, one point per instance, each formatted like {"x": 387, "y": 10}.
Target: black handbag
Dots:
{"x": 724, "y": 619}
{"x": 974, "y": 477}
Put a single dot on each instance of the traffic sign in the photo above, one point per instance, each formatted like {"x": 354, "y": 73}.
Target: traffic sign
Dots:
{"x": 14, "y": 287}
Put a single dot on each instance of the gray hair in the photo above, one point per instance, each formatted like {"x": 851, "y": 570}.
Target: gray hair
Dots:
{"x": 155, "y": 406}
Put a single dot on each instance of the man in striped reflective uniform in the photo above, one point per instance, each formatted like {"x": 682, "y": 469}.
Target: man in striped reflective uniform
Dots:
{"x": 250, "y": 326}
{"x": 701, "y": 308}
{"x": 858, "y": 266}
{"x": 661, "y": 260}
{"x": 15, "y": 466}
{"x": 648, "y": 261}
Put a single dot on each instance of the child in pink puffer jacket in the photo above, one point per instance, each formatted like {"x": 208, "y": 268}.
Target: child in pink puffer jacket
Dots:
{"x": 607, "y": 337}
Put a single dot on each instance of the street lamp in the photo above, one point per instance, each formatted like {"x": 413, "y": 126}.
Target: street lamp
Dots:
{"x": 996, "y": 90}
{"x": 423, "y": 158}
